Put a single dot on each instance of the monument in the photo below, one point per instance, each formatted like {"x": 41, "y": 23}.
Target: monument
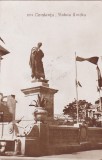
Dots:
{"x": 43, "y": 102}
{"x": 41, "y": 87}
{"x": 36, "y": 63}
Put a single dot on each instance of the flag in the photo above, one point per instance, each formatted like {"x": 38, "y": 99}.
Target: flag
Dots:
{"x": 80, "y": 59}
{"x": 1, "y": 58}
{"x": 99, "y": 77}
{"x": 2, "y": 40}
{"x": 78, "y": 84}
{"x": 93, "y": 60}
{"x": 98, "y": 89}
{"x": 3, "y": 51}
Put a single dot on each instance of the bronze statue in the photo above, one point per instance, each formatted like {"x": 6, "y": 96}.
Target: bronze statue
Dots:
{"x": 36, "y": 63}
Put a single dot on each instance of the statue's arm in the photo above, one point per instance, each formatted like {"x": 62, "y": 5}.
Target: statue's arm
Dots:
{"x": 32, "y": 56}
{"x": 42, "y": 54}
{"x": 30, "y": 61}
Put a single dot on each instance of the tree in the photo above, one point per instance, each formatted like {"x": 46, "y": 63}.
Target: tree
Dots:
{"x": 98, "y": 101}
{"x": 71, "y": 108}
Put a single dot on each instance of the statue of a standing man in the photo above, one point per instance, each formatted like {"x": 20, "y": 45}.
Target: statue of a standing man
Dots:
{"x": 36, "y": 63}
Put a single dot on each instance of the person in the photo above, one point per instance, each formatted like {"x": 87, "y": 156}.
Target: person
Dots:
{"x": 36, "y": 63}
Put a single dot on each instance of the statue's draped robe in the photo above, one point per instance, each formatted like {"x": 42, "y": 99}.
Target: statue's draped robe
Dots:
{"x": 36, "y": 63}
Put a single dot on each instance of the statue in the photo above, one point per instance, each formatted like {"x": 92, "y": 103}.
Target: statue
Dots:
{"x": 36, "y": 63}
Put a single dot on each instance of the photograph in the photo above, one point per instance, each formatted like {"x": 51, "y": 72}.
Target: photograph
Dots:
{"x": 50, "y": 80}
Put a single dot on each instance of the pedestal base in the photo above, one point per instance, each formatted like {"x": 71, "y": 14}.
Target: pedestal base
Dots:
{"x": 36, "y": 84}
{"x": 40, "y": 80}
{"x": 42, "y": 89}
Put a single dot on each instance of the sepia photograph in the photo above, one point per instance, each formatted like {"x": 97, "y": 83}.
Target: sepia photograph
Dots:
{"x": 50, "y": 80}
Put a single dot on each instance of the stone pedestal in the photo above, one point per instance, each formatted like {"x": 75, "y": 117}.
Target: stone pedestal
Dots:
{"x": 42, "y": 89}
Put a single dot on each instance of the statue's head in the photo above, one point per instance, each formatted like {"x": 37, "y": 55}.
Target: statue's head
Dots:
{"x": 39, "y": 44}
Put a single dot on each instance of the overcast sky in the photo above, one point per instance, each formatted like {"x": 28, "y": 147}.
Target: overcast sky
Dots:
{"x": 61, "y": 36}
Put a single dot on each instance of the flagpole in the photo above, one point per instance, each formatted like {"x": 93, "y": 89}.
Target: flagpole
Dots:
{"x": 0, "y": 70}
{"x": 100, "y": 100}
{"x": 0, "y": 92}
{"x": 100, "y": 93}
{"x": 98, "y": 89}
{"x": 99, "y": 85}
{"x": 76, "y": 87}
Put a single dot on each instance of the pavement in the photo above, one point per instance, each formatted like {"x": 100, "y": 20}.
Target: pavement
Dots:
{"x": 85, "y": 155}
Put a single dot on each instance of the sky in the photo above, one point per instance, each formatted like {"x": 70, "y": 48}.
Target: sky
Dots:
{"x": 23, "y": 25}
